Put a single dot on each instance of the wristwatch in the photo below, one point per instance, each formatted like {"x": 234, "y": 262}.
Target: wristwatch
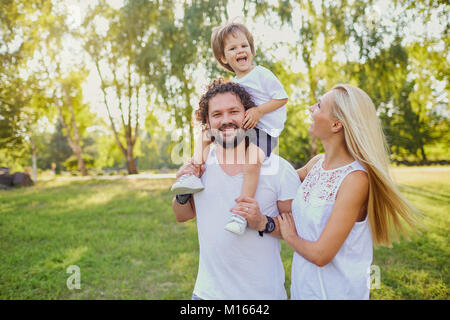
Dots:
{"x": 183, "y": 198}
{"x": 270, "y": 226}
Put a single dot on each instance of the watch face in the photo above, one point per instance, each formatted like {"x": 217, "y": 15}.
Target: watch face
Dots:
{"x": 270, "y": 226}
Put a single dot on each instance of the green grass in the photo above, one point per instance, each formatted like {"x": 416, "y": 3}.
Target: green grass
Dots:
{"x": 123, "y": 236}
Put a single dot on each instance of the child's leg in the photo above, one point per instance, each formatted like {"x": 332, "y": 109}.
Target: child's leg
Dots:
{"x": 201, "y": 147}
{"x": 254, "y": 157}
{"x": 251, "y": 176}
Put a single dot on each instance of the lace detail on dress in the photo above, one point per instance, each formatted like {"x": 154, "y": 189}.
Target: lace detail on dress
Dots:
{"x": 320, "y": 186}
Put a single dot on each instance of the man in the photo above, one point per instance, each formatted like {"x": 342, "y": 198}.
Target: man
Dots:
{"x": 231, "y": 266}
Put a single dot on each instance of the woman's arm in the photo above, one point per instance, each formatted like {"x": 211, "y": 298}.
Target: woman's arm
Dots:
{"x": 351, "y": 199}
{"x": 303, "y": 171}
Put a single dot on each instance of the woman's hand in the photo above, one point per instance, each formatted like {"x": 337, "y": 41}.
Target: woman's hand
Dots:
{"x": 252, "y": 116}
{"x": 247, "y": 207}
{"x": 287, "y": 227}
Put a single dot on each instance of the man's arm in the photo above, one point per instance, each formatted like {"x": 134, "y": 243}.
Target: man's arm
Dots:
{"x": 248, "y": 208}
{"x": 283, "y": 207}
{"x": 184, "y": 212}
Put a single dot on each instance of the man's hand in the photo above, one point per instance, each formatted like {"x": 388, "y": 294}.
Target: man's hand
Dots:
{"x": 191, "y": 168}
{"x": 252, "y": 116}
{"x": 247, "y": 207}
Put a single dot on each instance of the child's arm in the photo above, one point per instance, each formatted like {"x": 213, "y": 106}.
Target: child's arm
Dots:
{"x": 272, "y": 105}
{"x": 253, "y": 115}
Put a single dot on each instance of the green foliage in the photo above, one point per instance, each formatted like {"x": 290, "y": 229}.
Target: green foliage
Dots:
{"x": 151, "y": 55}
{"x": 71, "y": 163}
{"x": 21, "y": 29}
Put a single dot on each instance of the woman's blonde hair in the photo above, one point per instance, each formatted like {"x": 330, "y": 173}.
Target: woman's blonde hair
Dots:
{"x": 366, "y": 142}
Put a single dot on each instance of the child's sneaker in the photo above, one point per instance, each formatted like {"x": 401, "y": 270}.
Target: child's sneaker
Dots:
{"x": 237, "y": 224}
{"x": 187, "y": 183}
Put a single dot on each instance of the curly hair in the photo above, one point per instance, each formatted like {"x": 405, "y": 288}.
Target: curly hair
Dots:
{"x": 222, "y": 86}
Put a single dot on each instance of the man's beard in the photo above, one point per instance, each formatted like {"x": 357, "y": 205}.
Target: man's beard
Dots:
{"x": 216, "y": 136}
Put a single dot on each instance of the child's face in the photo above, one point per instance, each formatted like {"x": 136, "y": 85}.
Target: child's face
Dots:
{"x": 238, "y": 54}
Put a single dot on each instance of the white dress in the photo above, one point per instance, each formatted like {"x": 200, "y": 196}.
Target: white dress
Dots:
{"x": 347, "y": 276}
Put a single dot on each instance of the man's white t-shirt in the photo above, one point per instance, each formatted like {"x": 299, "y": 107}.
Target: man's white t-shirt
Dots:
{"x": 264, "y": 86}
{"x": 247, "y": 266}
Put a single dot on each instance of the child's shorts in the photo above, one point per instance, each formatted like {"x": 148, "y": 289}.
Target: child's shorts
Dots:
{"x": 263, "y": 140}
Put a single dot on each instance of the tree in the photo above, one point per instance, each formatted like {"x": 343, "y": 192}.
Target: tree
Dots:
{"x": 20, "y": 33}
{"x": 69, "y": 104}
{"x": 113, "y": 53}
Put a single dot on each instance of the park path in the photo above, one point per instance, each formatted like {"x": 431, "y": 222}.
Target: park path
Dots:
{"x": 393, "y": 170}
{"x": 120, "y": 177}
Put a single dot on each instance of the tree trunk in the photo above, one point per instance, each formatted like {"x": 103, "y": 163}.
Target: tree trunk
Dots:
{"x": 81, "y": 164}
{"x": 74, "y": 145}
{"x": 34, "y": 159}
{"x": 131, "y": 161}
{"x": 422, "y": 151}
{"x": 76, "y": 137}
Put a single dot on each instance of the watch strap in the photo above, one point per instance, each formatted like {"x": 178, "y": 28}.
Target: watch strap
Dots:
{"x": 266, "y": 230}
{"x": 183, "y": 198}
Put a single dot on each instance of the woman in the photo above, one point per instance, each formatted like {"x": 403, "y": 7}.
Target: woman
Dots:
{"x": 346, "y": 202}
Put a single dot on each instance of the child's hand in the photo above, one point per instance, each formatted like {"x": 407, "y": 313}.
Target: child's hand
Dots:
{"x": 287, "y": 227}
{"x": 252, "y": 116}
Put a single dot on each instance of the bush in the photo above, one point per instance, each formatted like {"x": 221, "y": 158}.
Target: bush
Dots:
{"x": 71, "y": 163}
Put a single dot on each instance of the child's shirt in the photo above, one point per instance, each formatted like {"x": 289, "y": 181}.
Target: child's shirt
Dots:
{"x": 264, "y": 86}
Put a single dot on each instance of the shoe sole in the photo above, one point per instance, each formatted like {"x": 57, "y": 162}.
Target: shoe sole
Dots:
{"x": 185, "y": 190}
{"x": 233, "y": 231}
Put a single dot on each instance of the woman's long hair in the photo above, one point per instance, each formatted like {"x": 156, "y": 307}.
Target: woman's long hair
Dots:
{"x": 366, "y": 142}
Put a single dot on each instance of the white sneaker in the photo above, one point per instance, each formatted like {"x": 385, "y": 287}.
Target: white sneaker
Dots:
{"x": 237, "y": 224}
{"x": 186, "y": 184}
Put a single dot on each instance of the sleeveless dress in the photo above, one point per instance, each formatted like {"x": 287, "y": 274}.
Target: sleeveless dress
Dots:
{"x": 347, "y": 276}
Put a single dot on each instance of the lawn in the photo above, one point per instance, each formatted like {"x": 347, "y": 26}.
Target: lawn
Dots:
{"x": 124, "y": 238}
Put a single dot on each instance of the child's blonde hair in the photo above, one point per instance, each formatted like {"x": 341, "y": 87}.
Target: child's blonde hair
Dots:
{"x": 366, "y": 142}
{"x": 219, "y": 35}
